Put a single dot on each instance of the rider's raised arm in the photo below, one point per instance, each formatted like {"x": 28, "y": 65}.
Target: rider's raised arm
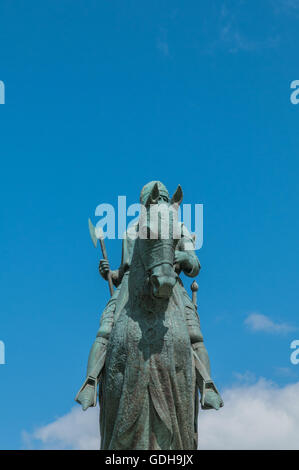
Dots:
{"x": 126, "y": 256}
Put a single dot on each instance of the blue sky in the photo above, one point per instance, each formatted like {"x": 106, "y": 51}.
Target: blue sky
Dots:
{"x": 102, "y": 97}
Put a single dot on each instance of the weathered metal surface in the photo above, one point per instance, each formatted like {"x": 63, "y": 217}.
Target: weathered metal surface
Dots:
{"x": 150, "y": 340}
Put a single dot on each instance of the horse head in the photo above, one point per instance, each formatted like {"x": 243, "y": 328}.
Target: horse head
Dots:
{"x": 159, "y": 232}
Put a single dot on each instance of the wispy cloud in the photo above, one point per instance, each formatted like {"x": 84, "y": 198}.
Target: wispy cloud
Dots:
{"x": 285, "y": 5}
{"x": 163, "y": 47}
{"x": 231, "y": 34}
{"x": 245, "y": 378}
{"x": 162, "y": 42}
{"x": 259, "y": 322}
{"x": 236, "y": 41}
{"x": 286, "y": 372}
{"x": 256, "y": 416}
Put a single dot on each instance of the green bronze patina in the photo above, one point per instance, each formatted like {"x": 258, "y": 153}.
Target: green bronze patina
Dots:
{"x": 149, "y": 358}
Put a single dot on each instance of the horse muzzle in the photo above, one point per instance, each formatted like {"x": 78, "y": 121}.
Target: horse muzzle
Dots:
{"x": 162, "y": 286}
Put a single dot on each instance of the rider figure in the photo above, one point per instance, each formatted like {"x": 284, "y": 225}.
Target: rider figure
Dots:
{"x": 185, "y": 260}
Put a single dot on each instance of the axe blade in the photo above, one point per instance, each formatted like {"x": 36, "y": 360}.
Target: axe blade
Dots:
{"x": 92, "y": 232}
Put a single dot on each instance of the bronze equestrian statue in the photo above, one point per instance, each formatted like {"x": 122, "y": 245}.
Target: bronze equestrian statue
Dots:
{"x": 149, "y": 359}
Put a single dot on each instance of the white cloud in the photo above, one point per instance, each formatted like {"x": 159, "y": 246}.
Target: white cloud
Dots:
{"x": 259, "y": 322}
{"x": 77, "y": 430}
{"x": 257, "y": 416}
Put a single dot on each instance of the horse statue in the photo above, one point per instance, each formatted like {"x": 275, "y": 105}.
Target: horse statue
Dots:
{"x": 149, "y": 358}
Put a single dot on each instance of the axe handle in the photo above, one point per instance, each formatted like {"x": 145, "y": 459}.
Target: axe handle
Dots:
{"x": 109, "y": 273}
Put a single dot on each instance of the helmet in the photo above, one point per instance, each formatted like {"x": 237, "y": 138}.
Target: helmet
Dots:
{"x": 146, "y": 190}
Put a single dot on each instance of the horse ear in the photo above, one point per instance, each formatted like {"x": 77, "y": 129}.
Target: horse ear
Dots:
{"x": 178, "y": 196}
{"x": 154, "y": 195}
